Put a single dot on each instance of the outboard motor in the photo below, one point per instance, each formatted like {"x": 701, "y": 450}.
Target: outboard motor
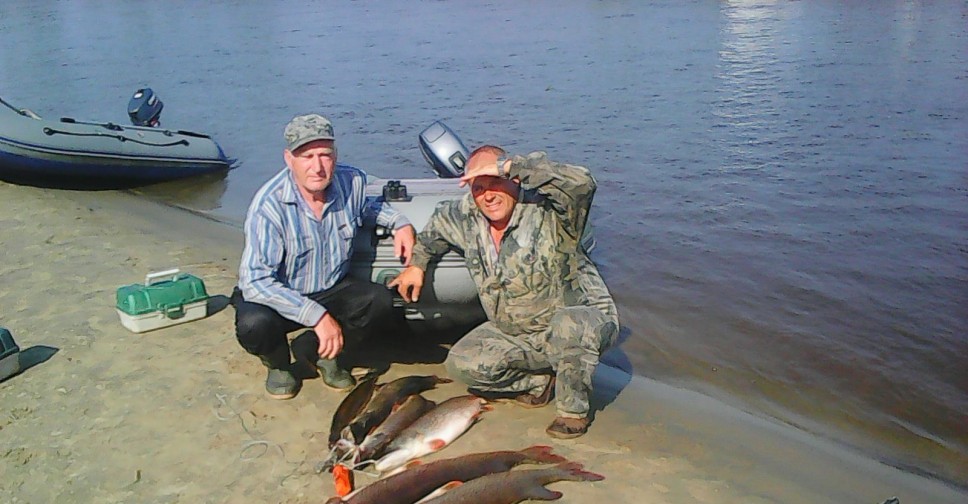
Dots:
{"x": 144, "y": 108}
{"x": 443, "y": 150}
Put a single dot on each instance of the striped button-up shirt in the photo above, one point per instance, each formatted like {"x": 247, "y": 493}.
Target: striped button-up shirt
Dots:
{"x": 289, "y": 253}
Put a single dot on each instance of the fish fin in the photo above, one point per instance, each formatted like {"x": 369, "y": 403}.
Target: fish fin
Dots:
{"x": 392, "y": 460}
{"x": 441, "y": 491}
{"x": 541, "y": 454}
{"x": 392, "y": 472}
{"x": 439, "y": 379}
{"x": 542, "y": 493}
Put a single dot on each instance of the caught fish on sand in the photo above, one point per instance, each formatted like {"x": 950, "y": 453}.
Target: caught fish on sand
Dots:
{"x": 512, "y": 487}
{"x": 415, "y": 483}
{"x": 399, "y": 419}
{"x": 432, "y": 431}
{"x": 382, "y": 402}
{"x": 363, "y": 409}
{"x": 351, "y": 406}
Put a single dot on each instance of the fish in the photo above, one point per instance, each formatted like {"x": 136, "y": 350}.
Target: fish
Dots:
{"x": 350, "y": 408}
{"x": 433, "y": 431}
{"x": 415, "y": 483}
{"x": 399, "y": 419}
{"x": 512, "y": 487}
{"x": 382, "y": 403}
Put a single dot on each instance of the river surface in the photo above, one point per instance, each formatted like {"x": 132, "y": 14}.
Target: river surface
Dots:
{"x": 782, "y": 211}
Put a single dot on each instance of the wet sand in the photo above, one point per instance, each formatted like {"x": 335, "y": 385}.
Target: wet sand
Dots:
{"x": 180, "y": 415}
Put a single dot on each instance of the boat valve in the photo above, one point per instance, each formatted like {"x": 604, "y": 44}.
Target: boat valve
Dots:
{"x": 393, "y": 190}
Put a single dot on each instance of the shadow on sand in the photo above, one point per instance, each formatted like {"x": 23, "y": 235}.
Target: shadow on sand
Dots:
{"x": 402, "y": 345}
{"x": 33, "y": 356}
{"x": 612, "y": 375}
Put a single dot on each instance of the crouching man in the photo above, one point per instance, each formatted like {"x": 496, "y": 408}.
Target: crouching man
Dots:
{"x": 549, "y": 312}
{"x": 299, "y": 233}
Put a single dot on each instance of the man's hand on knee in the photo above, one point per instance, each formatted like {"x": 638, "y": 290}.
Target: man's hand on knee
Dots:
{"x": 330, "y": 336}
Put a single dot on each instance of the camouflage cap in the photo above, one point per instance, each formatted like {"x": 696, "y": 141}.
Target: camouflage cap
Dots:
{"x": 306, "y": 128}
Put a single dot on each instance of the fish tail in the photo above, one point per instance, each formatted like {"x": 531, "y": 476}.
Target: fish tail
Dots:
{"x": 573, "y": 471}
{"x": 540, "y": 454}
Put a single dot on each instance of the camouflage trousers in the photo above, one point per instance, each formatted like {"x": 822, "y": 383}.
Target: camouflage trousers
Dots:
{"x": 489, "y": 360}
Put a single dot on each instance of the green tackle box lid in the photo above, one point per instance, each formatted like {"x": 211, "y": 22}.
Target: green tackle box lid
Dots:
{"x": 164, "y": 291}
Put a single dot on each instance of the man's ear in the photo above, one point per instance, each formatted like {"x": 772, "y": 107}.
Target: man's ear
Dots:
{"x": 287, "y": 156}
{"x": 516, "y": 180}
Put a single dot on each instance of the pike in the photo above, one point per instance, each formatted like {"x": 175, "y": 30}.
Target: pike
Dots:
{"x": 433, "y": 431}
{"x": 383, "y": 401}
{"x": 402, "y": 417}
{"x": 512, "y": 487}
{"x": 414, "y": 483}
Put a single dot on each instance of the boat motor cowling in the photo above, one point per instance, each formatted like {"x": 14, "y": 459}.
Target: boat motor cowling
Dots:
{"x": 443, "y": 150}
{"x": 144, "y": 108}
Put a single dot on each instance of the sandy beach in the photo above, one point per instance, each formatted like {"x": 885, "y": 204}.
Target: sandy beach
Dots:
{"x": 104, "y": 415}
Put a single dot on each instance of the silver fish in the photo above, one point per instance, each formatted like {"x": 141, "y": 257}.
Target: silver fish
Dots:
{"x": 402, "y": 417}
{"x": 382, "y": 403}
{"x": 433, "y": 431}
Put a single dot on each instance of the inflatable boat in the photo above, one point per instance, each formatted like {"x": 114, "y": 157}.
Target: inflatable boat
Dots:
{"x": 34, "y": 148}
{"x": 448, "y": 301}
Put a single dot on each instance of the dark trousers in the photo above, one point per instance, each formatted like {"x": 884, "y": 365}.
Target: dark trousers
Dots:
{"x": 360, "y": 307}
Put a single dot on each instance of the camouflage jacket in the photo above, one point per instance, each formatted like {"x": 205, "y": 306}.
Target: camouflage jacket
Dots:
{"x": 542, "y": 265}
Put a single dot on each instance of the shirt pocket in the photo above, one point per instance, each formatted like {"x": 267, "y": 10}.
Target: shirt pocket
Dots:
{"x": 527, "y": 278}
{"x": 302, "y": 249}
{"x": 344, "y": 239}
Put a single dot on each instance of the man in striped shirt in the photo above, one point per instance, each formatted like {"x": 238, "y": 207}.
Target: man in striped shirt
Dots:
{"x": 299, "y": 233}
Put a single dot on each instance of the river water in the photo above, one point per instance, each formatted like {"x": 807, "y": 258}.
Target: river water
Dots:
{"x": 782, "y": 212}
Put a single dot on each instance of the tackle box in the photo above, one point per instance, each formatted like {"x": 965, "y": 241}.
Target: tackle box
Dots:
{"x": 9, "y": 355}
{"x": 166, "y": 298}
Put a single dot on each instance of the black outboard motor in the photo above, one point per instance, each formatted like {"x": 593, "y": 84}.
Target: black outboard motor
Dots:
{"x": 443, "y": 150}
{"x": 144, "y": 108}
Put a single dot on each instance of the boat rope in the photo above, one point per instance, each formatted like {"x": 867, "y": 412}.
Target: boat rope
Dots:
{"x": 51, "y": 131}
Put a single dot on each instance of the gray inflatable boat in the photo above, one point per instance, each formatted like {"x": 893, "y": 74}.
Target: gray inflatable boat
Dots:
{"x": 40, "y": 149}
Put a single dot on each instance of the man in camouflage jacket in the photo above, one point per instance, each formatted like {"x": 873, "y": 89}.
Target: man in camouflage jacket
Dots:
{"x": 549, "y": 313}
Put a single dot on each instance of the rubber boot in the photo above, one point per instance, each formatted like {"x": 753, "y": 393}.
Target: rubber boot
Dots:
{"x": 280, "y": 383}
{"x": 334, "y": 376}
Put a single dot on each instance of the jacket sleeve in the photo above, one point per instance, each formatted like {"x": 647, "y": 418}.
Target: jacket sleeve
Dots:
{"x": 568, "y": 189}
{"x": 262, "y": 255}
{"x": 443, "y": 233}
